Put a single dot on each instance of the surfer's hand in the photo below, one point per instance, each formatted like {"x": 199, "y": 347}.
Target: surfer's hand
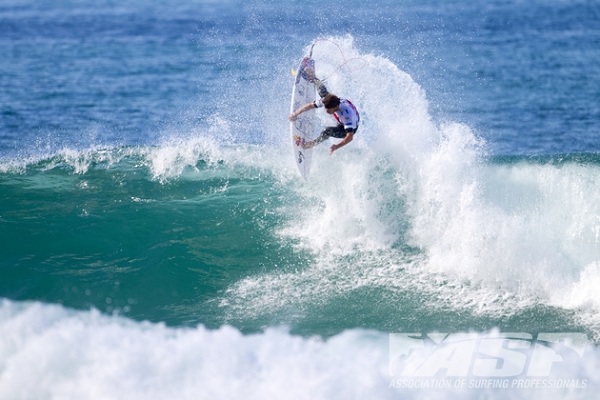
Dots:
{"x": 293, "y": 117}
{"x": 333, "y": 148}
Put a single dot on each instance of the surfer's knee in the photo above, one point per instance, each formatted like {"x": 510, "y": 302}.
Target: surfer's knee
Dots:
{"x": 322, "y": 137}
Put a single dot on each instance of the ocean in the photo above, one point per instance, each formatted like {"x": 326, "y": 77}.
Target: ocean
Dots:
{"x": 157, "y": 241}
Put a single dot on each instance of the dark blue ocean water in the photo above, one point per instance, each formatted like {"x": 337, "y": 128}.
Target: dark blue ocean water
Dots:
{"x": 156, "y": 240}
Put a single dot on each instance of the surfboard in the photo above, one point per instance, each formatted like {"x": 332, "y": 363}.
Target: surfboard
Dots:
{"x": 306, "y": 126}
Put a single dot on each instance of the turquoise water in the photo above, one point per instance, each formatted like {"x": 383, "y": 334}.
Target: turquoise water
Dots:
{"x": 101, "y": 230}
{"x": 157, "y": 241}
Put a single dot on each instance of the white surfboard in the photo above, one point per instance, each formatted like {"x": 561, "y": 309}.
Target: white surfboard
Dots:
{"x": 306, "y": 126}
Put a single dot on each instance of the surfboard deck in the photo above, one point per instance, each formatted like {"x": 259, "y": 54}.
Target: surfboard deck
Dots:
{"x": 306, "y": 125}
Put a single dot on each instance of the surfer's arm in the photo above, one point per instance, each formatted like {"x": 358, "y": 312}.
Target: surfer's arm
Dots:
{"x": 345, "y": 141}
{"x": 306, "y": 107}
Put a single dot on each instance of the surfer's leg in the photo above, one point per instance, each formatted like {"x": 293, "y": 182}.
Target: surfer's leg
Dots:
{"x": 330, "y": 131}
{"x": 337, "y": 132}
{"x": 321, "y": 89}
{"x": 313, "y": 143}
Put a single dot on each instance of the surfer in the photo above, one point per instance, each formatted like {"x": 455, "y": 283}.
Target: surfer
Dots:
{"x": 342, "y": 110}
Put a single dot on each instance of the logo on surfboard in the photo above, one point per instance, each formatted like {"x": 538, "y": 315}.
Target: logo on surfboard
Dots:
{"x": 307, "y": 69}
{"x": 298, "y": 140}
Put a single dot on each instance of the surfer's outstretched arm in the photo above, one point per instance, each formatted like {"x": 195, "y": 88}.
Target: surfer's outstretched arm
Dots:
{"x": 306, "y": 107}
{"x": 345, "y": 141}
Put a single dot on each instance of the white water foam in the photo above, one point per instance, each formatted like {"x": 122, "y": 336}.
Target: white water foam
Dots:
{"x": 521, "y": 234}
{"x": 49, "y": 352}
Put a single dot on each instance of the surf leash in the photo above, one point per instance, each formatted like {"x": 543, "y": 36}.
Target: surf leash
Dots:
{"x": 345, "y": 62}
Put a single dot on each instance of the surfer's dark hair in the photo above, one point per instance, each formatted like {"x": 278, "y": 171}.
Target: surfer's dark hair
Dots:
{"x": 331, "y": 101}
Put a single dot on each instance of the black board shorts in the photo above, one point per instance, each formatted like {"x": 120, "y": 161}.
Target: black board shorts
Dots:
{"x": 337, "y": 132}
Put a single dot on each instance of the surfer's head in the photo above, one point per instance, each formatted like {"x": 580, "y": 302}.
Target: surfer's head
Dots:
{"x": 331, "y": 103}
